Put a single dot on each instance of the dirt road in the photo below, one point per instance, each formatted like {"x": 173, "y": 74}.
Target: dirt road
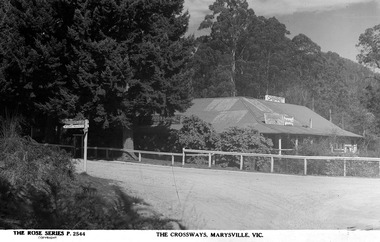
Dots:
{"x": 214, "y": 199}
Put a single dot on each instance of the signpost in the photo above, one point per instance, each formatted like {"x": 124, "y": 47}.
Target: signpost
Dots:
{"x": 79, "y": 124}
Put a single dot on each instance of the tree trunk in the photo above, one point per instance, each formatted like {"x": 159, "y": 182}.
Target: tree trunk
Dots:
{"x": 233, "y": 70}
{"x": 128, "y": 143}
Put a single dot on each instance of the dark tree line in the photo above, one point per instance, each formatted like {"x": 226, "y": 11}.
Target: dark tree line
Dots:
{"x": 112, "y": 62}
{"x": 118, "y": 62}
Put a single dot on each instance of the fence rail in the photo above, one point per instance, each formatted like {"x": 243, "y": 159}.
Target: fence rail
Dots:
{"x": 241, "y": 155}
{"x": 272, "y": 156}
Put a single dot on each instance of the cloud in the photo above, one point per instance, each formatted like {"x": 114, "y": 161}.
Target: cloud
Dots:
{"x": 283, "y": 7}
{"x": 199, "y": 8}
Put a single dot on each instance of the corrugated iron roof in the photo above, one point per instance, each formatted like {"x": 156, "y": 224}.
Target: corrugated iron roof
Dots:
{"x": 223, "y": 113}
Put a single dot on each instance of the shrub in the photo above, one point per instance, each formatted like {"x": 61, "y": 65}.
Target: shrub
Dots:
{"x": 33, "y": 178}
{"x": 39, "y": 189}
{"x": 246, "y": 140}
{"x": 314, "y": 147}
{"x": 197, "y": 134}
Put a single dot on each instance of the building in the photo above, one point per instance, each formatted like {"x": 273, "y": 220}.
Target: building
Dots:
{"x": 286, "y": 124}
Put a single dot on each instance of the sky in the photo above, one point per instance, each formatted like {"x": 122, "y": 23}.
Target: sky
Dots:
{"x": 335, "y": 25}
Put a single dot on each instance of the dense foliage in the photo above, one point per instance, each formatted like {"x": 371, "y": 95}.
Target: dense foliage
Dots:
{"x": 39, "y": 189}
{"x": 244, "y": 140}
{"x": 112, "y": 62}
{"x": 118, "y": 62}
{"x": 370, "y": 56}
{"x": 197, "y": 134}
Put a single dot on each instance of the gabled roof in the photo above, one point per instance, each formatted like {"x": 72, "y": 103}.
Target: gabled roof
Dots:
{"x": 223, "y": 113}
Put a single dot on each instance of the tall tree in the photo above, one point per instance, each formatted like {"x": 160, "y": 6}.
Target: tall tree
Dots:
{"x": 266, "y": 57}
{"x": 247, "y": 50}
{"x": 369, "y": 45}
{"x": 114, "y": 62}
{"x": 159, "y": 54}
{"x": 229, "y": 22}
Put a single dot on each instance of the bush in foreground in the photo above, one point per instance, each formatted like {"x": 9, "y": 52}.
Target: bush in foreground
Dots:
{"x": 39, "y": 189}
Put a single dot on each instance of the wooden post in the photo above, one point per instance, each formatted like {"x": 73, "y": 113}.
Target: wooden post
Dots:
{"x": 172, "y": 160}
{"x": 209, "y": 160}
{"x": 107, "y": 154}
{"x": 305, "y": 167}
{"x": 183, "y": 156}
{"x": 85, "y": 130}
{"x": 344, "y": 167}
{"x": 279, "y": 145}
{"x": 213, "y": 159}
{"x": 241, "y": 162}
{"x": 296, "y": 146}
{"x": 82, "y": 146}
{"x": 271, "y": 164}
{"x": 139, "y": 156}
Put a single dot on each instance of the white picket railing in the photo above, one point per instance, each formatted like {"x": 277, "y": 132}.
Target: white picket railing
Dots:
{"x": 272, "y": 156}
{"x": 241, "y": 155}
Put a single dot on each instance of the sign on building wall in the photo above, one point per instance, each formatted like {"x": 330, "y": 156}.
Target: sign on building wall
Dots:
{"x": 278, "y": 119}
{"x": 274, "y": 118}
{"x": 274, "y": 99}
{"x": 288, "y": 121}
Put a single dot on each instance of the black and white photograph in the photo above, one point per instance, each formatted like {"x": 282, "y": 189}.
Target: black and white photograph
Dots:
{"x": 190, "y": 120}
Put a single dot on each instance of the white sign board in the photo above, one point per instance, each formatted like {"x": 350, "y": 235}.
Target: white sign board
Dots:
{"x": 75, "y": 122}
{"x": 288, "y": 121}
{"x": 278, "y": 119}
{"x": 274, "y": 99}
{"x": 73, "y": 126}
